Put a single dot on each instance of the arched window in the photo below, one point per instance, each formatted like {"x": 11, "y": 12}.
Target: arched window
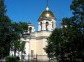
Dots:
{"x": 47, "y": 25}
{"x": 41, "y": 25}
{"x": 52, "y": 25}
{"x": 30, "y": 29}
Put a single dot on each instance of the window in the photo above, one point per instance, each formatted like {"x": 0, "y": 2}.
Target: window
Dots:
{"x": 30, "y": 29}
{"x": 47, "y": 25}
{"x": 52, "y": 25}
{"x": 41, "y": 25}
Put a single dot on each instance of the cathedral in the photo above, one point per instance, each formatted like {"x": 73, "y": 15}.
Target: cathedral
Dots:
{"x": 35, "y": 41}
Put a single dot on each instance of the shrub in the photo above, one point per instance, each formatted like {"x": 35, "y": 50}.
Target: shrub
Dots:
{"x": 12, "y": 59}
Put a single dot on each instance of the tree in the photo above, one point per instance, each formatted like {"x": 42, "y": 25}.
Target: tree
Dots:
{"x": 2, "y": 8}
{"x": 18, "y": 46}
{"x": 52, "y": 49}
{"x": 10, "y": 32}
{"x": 15, "y": 45}
{"x": 5, "y": 33}
{"x": 77, "y": 8}
{"x": 22, "y": 48}
{"x": 66, "y": 44}
{"x": 4, "y": 30}
{"x": 17, "y": 34}
{"x": 77, "y": 20}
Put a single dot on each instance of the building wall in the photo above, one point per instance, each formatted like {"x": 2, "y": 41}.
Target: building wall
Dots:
{"x": 38, "y": 43}
{"x": 32, "y": 46}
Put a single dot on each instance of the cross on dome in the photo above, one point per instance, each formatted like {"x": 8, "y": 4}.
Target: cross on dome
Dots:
{"x": 47, "y": 8}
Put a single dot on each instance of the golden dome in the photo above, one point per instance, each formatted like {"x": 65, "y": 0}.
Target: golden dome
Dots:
{"x": 47, "y": 14}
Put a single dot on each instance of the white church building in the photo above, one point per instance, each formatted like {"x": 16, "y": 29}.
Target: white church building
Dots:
{"x": 35, "y": 41}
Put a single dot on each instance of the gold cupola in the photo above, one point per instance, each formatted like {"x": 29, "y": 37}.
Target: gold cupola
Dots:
{"x": 46, "y": 14}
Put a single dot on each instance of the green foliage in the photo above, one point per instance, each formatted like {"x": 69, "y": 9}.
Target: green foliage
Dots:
{"x": 66, "y": 44}
{"x": 22, "y": 45}
{"x": 2, "y": 8}
{"x": 10, "y": 32}
{"x": 77, "y": 8}
{"x": 12, "y": 59}
{"x": 5, "y": 32}
{"x": 17, "y": 46}
{"x": 18, "y": 30}
{"x": 53, "y": 43}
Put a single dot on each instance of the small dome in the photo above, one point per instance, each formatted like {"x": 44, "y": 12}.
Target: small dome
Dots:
{"x": 30, "y": 24}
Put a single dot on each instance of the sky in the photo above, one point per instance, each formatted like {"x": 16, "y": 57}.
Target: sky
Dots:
{"x": 30, "y": 10}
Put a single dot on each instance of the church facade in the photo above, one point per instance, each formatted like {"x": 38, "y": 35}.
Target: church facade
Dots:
{"x": 35, "y": 41}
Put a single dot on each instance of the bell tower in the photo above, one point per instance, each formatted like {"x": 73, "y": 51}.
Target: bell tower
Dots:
{"x": 31, "y": 28}
{"x": 47, "y": 20}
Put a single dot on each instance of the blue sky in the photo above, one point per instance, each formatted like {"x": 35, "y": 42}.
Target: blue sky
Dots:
{"x": 30, "y": 10}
